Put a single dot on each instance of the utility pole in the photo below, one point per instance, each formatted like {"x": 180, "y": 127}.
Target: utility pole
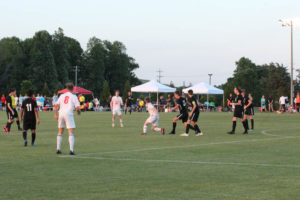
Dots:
{"x": 76, "y": 72}
{"x": 159, "y": 76}
{"x": 207, "y": 93}
{"x": 210, "y": 78}
{"x": 290, "y": 24}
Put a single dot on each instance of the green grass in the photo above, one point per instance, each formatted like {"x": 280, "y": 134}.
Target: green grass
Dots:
{"x": 116, "y": 163}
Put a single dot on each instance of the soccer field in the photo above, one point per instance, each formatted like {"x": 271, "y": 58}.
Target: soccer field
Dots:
{"x": 119, "y": 163}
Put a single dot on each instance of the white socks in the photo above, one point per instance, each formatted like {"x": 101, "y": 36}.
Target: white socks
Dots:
{"x": 145, "y": 129}
{"x": 157, "y": 129}
{"x": 71, "y": 142}
{"x": 58, "y": 141}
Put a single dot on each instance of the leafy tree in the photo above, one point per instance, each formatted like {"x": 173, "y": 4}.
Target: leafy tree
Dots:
{"x": 25, "y": 86}
{"x": 105, "y": 94}
{"x": 45, "y": 90}
{"x": 127, "y": 89}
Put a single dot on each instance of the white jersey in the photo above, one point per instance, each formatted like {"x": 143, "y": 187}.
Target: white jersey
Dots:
{"x": 282, "y": 100}
{"x": 151, "y": 109}
{"x": 67, "y": 102}
{"x": 116, "y": 102}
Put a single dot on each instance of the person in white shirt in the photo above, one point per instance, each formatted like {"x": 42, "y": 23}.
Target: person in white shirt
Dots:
{"x": 152, "y": 119}
{"x": 282, "y": 104}
{"x": 66, "y": 104}
{"x": 115, "y": 105}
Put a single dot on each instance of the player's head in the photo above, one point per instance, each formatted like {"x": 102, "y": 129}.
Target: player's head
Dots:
{"x": 29, "y": 93}
{"x": 177, "y": 94}
{"x": 243, "y": 93}
{"x": 70, "y": 86}
{"x": 11, "y": 91}
{"x": 129, "y": 93}
{"x": 117, "y": 92}
{"x": 147, "y": 100}
{"x": 190, "y": 93}
{"x": 249, "y": 94}
{"x": 230, "y": 94}
{"x": 237, "y": 90}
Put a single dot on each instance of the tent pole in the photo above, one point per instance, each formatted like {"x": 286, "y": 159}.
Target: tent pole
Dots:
{"x": 157, "y": 100}
{"x": 223, "y": 100}
{"x": 207, "y": 103}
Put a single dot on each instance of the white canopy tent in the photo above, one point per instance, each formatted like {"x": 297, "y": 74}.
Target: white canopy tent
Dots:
{"x": 204, "y": 88}
{"x": 153, "y": 87}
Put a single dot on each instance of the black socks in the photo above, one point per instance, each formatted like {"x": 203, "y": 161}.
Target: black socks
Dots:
{"x": 33, "y": 138}
{"x": 197, "y": 128}
{"x": 18, "y": 123}
{"x": 233, "y": 126}
{"x": 187, "y": 128}
{"x": 252, "y": 123}
{"x": 8, "y": 125}
{"x": 25, "y": 136}
{"x": 174, "y": 127}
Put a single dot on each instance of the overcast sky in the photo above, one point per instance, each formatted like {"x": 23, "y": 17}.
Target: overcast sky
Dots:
{"x": 186, "y": 39}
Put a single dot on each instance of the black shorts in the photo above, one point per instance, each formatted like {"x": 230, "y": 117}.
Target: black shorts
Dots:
{"x": 29, "y": 124}
{"x": 183, "y": 116}
{"x": 129, "y": 105}
{"x": 194, "y": 117}
{"x": 15, "y": 113}
{"x": 10, "y": 116}
{"x": 249, "y": 111}
{"x": 238, "y": 113}
{"x": 3, "y": 105}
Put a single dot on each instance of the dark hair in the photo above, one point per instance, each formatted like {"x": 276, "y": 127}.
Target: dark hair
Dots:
{"x": 147, "y": 99}
{"x": 239, "y": 89}
{"x": 117, "y": 91}
{"x": 177, "y": 92}
{"x": 190, "y": 92}
{"x": 70, "y": 86}
{"x": 11, "y": 90}
{"x": 29, "y": 93}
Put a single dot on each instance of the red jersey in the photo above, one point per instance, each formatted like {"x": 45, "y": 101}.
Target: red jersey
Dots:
{"x": 3, "y": 99}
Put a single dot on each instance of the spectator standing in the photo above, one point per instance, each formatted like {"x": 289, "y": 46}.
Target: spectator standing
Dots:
{"x": 263, "y": 104}
{"x": 3, "y": 102}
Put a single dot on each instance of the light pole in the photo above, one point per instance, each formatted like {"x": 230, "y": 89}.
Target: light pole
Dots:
{"x": 76, "y": 72}
{"x": 210, "y": 75}
{"x": 290, "y": 24}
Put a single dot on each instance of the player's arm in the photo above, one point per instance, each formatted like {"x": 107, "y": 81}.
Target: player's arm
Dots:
{"x": 36, "y": 116}
{"x": 122, "y": 102}
{"x": 175, "y": 107}
{"x": 194, "y": 107}
{"x": 77, "y": 106}
{"x": 249, "y": 104}
{"x": 21, "y": 117}
{"x": 9, "y": 107}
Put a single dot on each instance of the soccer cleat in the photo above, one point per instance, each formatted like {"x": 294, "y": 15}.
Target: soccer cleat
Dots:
{"x": 58, "y": 152}
{"x": 144, "y": 134}
{"x": 162, "y": 131}
{"x": 5, "y": 129}
{"x": 32, "y": 144}
{"x": 113, "y": 125}
{"x": 122, "y": 125}
{"x": 172, "y": 133}
{"x": 184, "y": 134}
{"x": 231, "y": 132}
{"x": 199, "y": 134}
{"x": 25, "y": 143}
{"x": 72, "y": 153}
{"x": 245, "y": 132}
{"x": 20, "y": 129}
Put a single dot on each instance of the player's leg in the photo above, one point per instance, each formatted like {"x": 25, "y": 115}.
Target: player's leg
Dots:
{"x": 59, "y": 138}
{"x": 113, "y": 118}
{"x": 25, "y": 137}
{"x": 125, "y": 109}
{"x": 120, "y": 117}
{"x": 174, "y": 124}
{"x": 155, "y": 126}
{"x": 245, "y": 123}
{"x": 17, "y": 120}
{"x": 147, "y": 122}
{"x": 33, "y": 136}
{"x": 71, "y": 140}
{"x": 187, "y": 128}
{"x": 233, "y": 126}
{"x": 10, "y": 121}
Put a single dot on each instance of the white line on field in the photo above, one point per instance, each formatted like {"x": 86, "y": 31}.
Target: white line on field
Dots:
{"x": 186, "y": 146}
{"x": 189, "y": 162}
{"x": 264, "y": 132}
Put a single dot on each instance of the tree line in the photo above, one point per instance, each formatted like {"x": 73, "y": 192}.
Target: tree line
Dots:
{"x": 46, "y": 62}
{"x": 268, "y": 79}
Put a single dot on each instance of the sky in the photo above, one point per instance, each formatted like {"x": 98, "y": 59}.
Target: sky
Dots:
{"x": 185, "y": 39}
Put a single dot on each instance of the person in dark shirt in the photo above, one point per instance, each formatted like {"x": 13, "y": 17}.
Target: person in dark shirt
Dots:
{"x": 238, "y": 111}
{"x": 193, "y": 116}
{"x": 247, "y": 108}
{"x": 31, "y": 117}
{"x": 9, "y": 111}
{"x": 128, "y": 103}
{"x": 180, "y": 104}
{"x": 251, "y": 111}
{"x": 229, "y": 101}
{"x": 270, "y": 102}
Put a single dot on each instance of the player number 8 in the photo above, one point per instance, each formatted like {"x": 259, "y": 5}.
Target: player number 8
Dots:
{"x": 66, "y": 100}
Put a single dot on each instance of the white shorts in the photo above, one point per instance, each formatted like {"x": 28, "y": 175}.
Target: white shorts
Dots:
{"x": 153, "y": 120}
{"x": 117, "y": 112}
{"x": 66, "y": 121}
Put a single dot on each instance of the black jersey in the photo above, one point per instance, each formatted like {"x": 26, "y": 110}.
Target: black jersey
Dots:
{"x": 182, "y": 104}
{"x": 237, "y": 99}
{"x": 129, "y": 100}
{"x": 245, "y": 101}
{"x": 8, "y": 101}
{"x": 28, "y": 106}
{"x": 193, "y": 101}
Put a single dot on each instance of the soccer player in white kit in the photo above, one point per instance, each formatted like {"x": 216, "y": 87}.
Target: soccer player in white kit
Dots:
{"x": 66, "y": 104}
{"x": 152, "y": 119}
{"x": 115, "y": 105}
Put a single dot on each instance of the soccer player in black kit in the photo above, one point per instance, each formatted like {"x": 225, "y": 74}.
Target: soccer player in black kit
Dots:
{"x": 31, "y": 117}
{"x": 9, "y": 111}
{"x": 193, "y": 116}
{"x": 180, "y": 103}
{"x": 128, "y": 103}
{"x": 238, "y": 111}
